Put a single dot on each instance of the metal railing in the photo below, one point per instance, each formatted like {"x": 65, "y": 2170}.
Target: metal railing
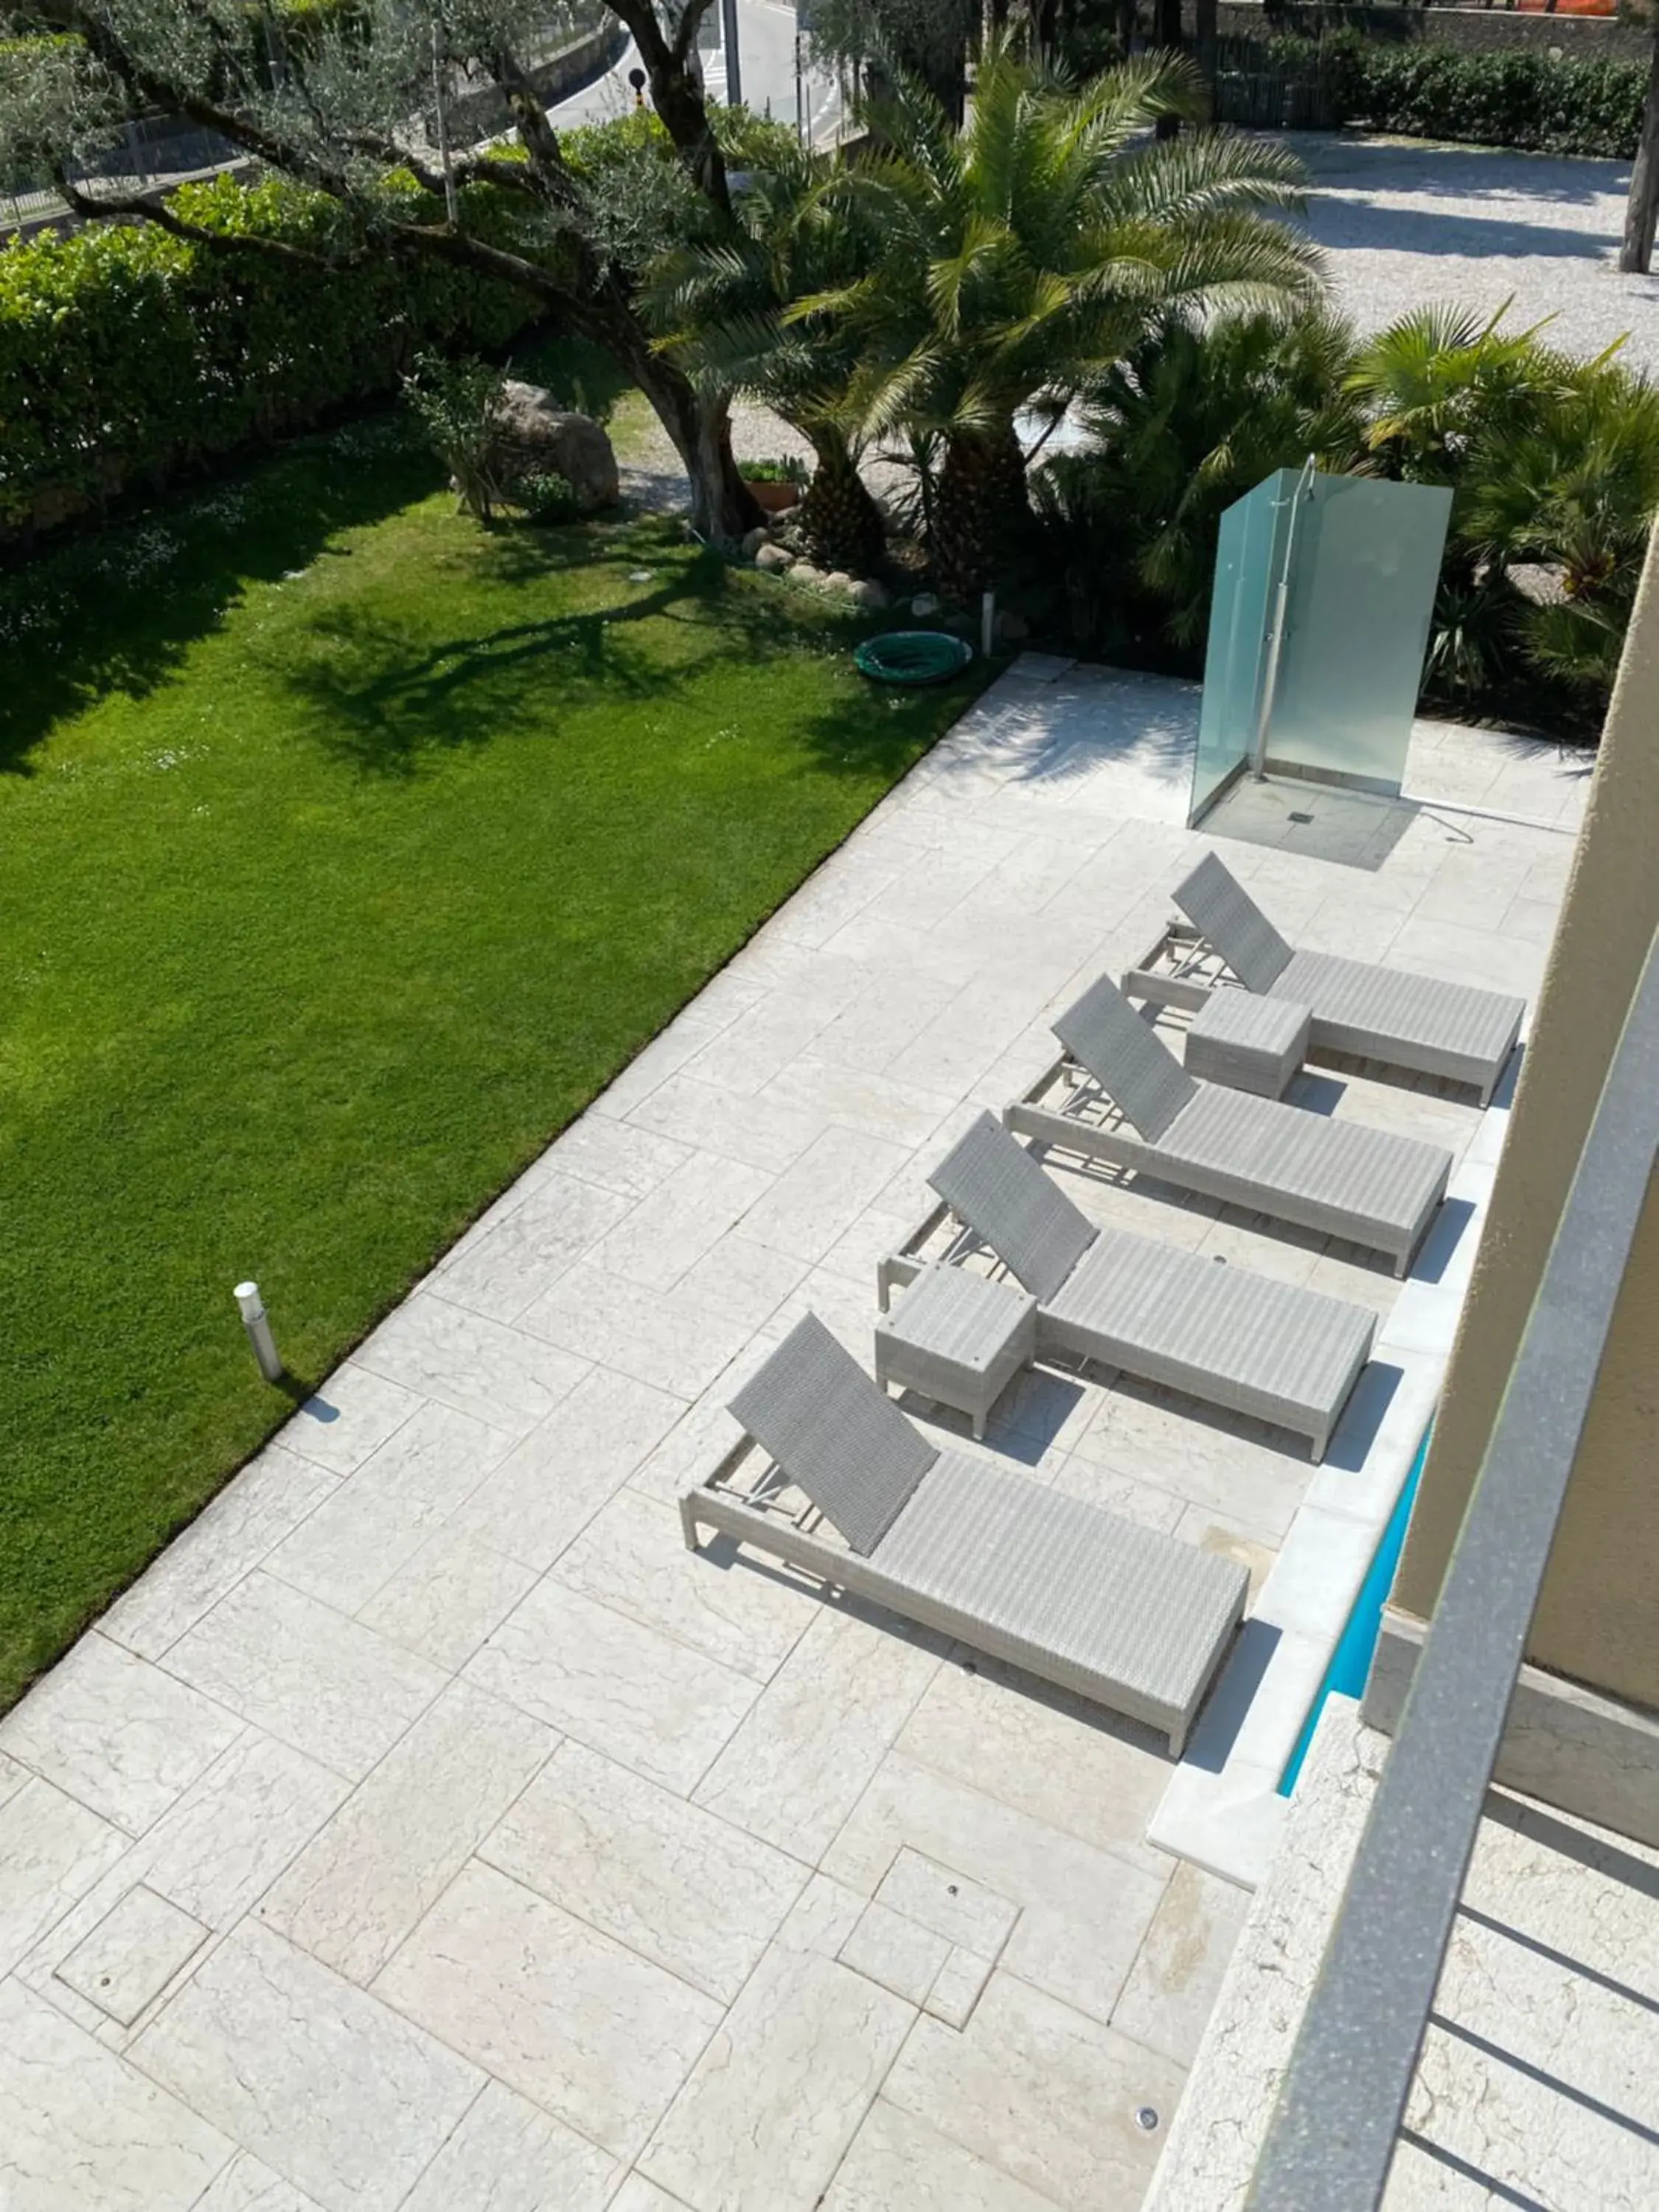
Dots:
{"x": 1332, "y": 2138}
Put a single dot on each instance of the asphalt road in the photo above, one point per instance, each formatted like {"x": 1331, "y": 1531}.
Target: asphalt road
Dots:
{"x": 766, "y": 60}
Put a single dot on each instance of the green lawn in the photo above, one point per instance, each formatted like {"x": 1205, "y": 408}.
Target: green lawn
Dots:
{"x": 346, "y": 851}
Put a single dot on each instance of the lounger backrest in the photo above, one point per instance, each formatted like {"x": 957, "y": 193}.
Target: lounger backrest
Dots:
{"x": 1229, "y": 919}
{"x": 1130, "y": 1062}
{"x": 990, "y": 1181}
{"x": 834, "y": 1434}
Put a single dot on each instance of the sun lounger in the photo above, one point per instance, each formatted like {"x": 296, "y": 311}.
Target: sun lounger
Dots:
{"x": 1338, "y": 1178}
{"x": 1387, "y": 1014}
{"x": 1219, "y": 1333}
{"x": 1122, "y": 1614}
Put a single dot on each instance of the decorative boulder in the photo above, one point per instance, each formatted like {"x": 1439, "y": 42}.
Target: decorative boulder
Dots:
{"x": 804, "y": 572}
{"x": 537, "y": 437}
{"x": 925, "y": 604}
{"x": 774, "y": 559}
{"x": 754, "y": 541}
{"x": 873, "y": 595}
{"x": 838, "y": 581}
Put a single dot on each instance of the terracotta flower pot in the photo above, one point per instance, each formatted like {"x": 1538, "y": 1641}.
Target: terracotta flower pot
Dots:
{"x": 773, "y": 498}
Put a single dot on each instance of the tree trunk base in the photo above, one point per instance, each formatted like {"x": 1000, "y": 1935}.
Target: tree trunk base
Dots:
{"x": 983, "y": 513}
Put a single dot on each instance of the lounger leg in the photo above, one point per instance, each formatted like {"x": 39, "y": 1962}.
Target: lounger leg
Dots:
{"x": 689, "y": 1523}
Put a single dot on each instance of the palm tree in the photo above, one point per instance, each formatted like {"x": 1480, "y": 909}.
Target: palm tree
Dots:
{"x": 1019, "y": 255}
{"x": 1435, "y": 381}
{"x": 1554, "y": 465}
{"x": 723, "y": 306}
{"x": 1191, "y": 418}
{"x": 1575, "y": 497}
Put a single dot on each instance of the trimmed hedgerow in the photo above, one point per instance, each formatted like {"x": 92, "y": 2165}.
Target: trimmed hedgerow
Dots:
{"x": 129, "y": 356}
{"x": 1510, "y": 97}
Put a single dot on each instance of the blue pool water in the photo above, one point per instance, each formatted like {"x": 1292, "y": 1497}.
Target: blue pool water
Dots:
{"x": 1352, "y": 1659}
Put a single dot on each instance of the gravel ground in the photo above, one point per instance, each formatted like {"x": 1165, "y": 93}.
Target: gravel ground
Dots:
{"x": 1402, "y": 222}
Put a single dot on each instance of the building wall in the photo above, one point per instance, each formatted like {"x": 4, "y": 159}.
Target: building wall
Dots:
{"x": 1598, "y": 1616}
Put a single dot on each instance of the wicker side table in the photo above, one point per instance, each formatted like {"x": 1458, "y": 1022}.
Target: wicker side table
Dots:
{"x": 958, "y": 1339}
{"x": 1248, "y": 1044}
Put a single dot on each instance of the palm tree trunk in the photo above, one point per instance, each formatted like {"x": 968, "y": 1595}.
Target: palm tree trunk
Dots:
{"x": 983, "y": 513}
{"x": 842, "y": 524}
{"x": 1635, "y": 254}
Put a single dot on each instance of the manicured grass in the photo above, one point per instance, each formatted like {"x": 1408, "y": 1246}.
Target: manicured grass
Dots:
{"x": 348, "y": 851}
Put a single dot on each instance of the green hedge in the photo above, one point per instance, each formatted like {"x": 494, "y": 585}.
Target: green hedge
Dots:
{"x": 1513, "y": 97}
{"x": 128, "y": 356}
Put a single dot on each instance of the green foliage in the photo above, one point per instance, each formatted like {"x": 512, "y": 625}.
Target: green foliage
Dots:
{"x": 545, "y": 497}
{"x": 734, "y": 314}
{"x": 128, "y": 355}
{"x": 1019, "y": 256}
{"x": 790, "y": 470}
{"x": 1190, "y": 420}
{"x": 1508, "y": 96}
{"x": 640, "y": 200}
{"x": 1024, "y": 252}
{"x": 454, "y": 403}
{"x": 924, "y": 39}
{"x": 1552, "y": 464}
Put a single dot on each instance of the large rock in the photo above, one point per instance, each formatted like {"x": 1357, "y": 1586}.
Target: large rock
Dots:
{"x": 776, "y": 558}
{"x": 753, "y": 541}
{"x": 871, "y": 594}
{"x": 537, "y": 437}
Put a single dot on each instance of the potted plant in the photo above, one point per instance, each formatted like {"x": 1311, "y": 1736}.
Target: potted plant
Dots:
{"x": 777, "y": 485}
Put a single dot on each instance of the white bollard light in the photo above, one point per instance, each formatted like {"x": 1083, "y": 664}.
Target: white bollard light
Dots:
{"x": 988, "y": 623}
{"x": 256, "y": 1322}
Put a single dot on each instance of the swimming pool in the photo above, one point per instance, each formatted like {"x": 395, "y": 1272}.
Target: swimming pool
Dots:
{"x": 1351, "y": 1660}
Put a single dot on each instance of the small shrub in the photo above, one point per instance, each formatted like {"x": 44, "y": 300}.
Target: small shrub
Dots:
{"x": 789, "y": 470}
{"x": 546, "y": 498}
{"x": 454, "y": 403}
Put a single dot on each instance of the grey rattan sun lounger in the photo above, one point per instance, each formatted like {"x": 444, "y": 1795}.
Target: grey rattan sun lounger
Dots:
{"x": 1388, "y": 1014}
{"x": 1234, "y": 1339}
{"x": 1336, "y": 1177}
{"x": 1122, "y": 1614}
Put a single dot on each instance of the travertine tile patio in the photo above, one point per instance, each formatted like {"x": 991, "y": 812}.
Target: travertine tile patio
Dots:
{"x": 427, "y": 1831}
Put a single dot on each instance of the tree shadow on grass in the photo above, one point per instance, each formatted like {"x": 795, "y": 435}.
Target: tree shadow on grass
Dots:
{"x": 116, "y": 611}
{"x": 389, "y": 709}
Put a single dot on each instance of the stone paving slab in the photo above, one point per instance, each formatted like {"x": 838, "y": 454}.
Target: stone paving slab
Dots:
{"x": 427, "y": 1831}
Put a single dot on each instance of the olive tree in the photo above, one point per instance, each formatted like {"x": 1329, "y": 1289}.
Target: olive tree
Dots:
{"x": 340, "y": 97}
